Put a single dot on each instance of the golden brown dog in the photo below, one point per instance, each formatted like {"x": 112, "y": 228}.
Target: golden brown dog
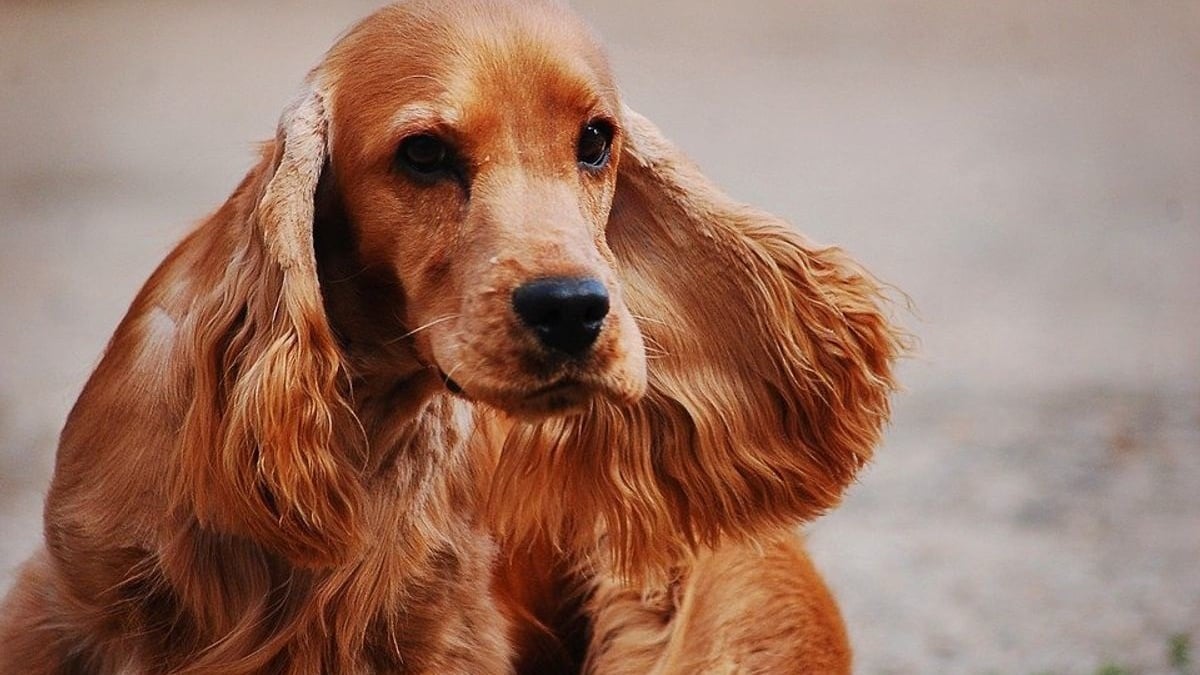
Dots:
{"x": 473, "y": 373}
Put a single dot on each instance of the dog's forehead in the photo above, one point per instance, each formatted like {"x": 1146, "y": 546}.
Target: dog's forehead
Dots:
{"x": 438, "y": 45}
{"x": 464, "y": 62}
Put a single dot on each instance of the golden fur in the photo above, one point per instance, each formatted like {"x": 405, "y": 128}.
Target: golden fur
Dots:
{"x": 320, "y": 441}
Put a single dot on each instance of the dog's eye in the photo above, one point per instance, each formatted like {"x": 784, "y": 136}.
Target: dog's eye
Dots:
{"x": 595, "y": 142}
{"x": 425, "y": 155}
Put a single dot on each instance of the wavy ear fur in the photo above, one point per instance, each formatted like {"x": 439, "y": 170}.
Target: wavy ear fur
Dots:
{"x": 266, "y": 452}
{"x": 770, "y": 370}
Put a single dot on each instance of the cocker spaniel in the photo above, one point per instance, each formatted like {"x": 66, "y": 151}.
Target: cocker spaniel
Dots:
{"x": 472, "y": 373}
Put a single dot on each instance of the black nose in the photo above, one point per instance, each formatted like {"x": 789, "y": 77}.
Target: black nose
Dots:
{"x": 565, "y": 314}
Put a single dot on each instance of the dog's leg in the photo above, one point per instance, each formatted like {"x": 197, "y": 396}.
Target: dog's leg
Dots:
{"x": 34, "y": 632}
{"x": 739, "y": 609}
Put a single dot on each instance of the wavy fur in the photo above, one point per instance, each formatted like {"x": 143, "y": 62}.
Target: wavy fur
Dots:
{"x": 323, "y": 441}
{"x": 769, "y": 371}
{"x": 260, "y": 455}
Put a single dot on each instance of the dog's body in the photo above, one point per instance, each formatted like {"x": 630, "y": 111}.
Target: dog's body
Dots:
{"x": 389, "y": 409}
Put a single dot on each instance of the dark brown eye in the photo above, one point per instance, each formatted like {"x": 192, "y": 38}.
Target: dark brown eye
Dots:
{"x": 595, "y": 142}
{"x": 425, "y": 155}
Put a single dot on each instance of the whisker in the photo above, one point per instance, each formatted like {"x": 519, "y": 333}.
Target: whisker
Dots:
{"x": 414, "y": 331}
{"x": 353, "y": 275}
{"x": 448, "y": 377}
{"x": 650, "y": 343}
{"x": 647, "y": 319}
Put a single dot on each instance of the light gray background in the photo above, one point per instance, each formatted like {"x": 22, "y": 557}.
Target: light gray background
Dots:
{"x": 1028, "y": 171}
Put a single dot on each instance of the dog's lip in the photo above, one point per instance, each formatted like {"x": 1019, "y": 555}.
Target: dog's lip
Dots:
{"x": 559, "y": 385}
{"x": 454, "y": 387}
{"x": 555, "y": 387}
{"x": 564, "y": 393}
{"x": 567, "y": 394}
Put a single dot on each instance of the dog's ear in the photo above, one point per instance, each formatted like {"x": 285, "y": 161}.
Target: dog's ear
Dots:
{"x": 770, "y": 370}
{"x": 269, "y": 441}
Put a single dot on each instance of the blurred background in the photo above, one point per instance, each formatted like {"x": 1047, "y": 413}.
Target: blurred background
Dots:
{"x": 1027, "y": 171}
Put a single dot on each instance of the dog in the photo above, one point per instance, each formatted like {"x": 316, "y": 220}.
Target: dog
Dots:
{"x": 473, "y": 372}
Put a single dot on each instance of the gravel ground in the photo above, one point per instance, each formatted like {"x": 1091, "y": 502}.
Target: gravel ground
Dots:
{"x": 1028, "y": 172}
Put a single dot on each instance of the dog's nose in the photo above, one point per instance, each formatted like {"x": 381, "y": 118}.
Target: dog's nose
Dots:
{"x": 565, "y": 314}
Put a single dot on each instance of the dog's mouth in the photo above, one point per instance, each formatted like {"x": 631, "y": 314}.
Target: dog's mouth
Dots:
{"x": 564, "y": 395}
{"x": 533, "y": 385}
{"x": 555, "y": 387}
{"x": 454, "y": 387}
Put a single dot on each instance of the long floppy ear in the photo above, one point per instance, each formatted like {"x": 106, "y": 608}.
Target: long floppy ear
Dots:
{"x": 267, "y": 447}
{"x": 770, "y": 370}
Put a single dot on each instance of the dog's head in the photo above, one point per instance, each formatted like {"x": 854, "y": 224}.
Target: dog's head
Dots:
{"x": 474, "y": 151}
{"x": 460, "y": 193}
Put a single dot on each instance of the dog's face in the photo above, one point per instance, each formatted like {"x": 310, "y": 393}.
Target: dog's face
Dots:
{"x": 476, "y": 160}
{"x": 437, "y": 202}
